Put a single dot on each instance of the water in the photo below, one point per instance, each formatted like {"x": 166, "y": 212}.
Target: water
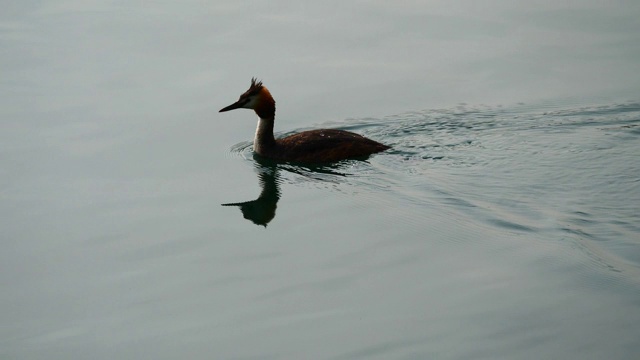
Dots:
{"x": 504, "y": 227}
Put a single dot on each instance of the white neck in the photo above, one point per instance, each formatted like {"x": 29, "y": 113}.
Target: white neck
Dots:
{"x": 264, "y": 136}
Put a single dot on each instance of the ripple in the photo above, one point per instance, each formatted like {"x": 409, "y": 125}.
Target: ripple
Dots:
{"x": 536, "y": 169}
{"x": 510, "y": 225}
{"x": 242, "y": 150}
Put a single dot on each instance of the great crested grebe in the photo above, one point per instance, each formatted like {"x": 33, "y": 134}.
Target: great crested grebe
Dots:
{"x": 313, "y": 146}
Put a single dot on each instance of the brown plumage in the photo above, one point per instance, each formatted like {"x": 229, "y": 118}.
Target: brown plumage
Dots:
{"x": 314, "y": 146}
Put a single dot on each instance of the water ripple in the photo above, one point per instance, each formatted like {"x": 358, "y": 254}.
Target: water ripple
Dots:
{"x": 526, "y": 169}
{"x": 573, "y": 166}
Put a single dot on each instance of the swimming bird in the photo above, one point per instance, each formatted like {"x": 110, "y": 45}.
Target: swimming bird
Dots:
{"x": 313, "y": 146}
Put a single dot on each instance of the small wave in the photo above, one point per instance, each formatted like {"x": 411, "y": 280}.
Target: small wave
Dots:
{"x": 242, "y": 150}
{"x": 538, "y": 172}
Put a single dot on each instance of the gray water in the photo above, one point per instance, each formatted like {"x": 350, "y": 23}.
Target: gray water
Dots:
{"x": 503, "y": 224}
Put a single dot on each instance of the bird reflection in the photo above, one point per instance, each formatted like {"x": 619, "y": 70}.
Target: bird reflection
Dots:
{"x": 263, "y": 209}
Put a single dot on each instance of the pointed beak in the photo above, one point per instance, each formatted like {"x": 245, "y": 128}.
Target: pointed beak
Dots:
{"x": 235, "y": 105}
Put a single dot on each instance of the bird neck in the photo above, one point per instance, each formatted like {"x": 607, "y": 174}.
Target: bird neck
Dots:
{"x": 266, "y": 111}
{"x": 264, "y": 139}
{"x": 266, "y": 105}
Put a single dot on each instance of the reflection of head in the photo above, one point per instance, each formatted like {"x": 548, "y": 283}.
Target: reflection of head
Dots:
{"x": 259, "y": 211}
{"x": 263, "y": 209}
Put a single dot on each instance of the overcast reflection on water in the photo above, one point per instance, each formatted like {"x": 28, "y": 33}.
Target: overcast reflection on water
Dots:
{"x": 114, "y": 163}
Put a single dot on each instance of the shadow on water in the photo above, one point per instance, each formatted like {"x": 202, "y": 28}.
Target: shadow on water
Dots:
{"x": 263, "y": 209}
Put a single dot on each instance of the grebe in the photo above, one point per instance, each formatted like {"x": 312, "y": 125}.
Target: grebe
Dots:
{"x": 313, "y": 146}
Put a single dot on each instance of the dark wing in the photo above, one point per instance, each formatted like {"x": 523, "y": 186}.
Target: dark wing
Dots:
{"x": 327, "y": 145}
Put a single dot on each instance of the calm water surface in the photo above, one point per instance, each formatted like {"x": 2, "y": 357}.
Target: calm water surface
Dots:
{"x": 504, "y": 227}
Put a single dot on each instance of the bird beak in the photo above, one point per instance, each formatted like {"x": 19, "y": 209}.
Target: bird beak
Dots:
{"x": 235, "y": 105}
